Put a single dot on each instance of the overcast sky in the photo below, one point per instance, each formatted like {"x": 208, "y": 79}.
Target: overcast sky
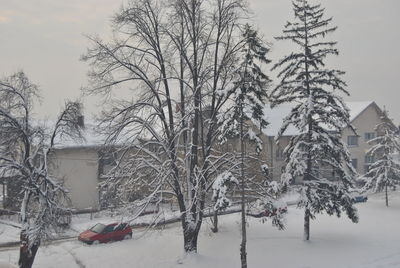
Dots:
{"x": 45, "y": 38}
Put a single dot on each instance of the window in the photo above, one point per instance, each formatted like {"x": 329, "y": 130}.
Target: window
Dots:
{"x": 369, "y": 159}
{"x": 354, "y": 162}
{"x": 366, "y": 168}
{"x": 98, "y": 228}
{"x": 352, "y": 140}
{"x": 108, "y": 229}
{"x": 279, "y": 153}
{"x": 120, "y": 227}
{"x": 107, "y": 160}
{"x": 283, "y": 169}
{"x": 369, "y": 136}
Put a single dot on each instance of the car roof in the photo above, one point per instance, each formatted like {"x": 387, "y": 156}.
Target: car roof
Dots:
{"x": 117, "y": 223}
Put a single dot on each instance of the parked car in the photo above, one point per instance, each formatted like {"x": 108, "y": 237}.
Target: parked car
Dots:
{"x": 101, "y": 233}
{"x": 269, "y": 209}
{"x": 360, "y": 198}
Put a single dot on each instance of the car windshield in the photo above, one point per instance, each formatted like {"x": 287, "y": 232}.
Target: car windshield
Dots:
{"x": 98, "y": 228}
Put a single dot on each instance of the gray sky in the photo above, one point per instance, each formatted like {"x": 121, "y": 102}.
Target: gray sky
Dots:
{"x": 45, "y": 38}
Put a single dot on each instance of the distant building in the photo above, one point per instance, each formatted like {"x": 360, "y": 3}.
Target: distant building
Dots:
{"x": 364, "y": 117}
{"x": 75, "y": 164}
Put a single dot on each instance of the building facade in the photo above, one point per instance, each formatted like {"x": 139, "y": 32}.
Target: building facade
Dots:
{"x": 364, "y": 117}
{"x": 78, "y": 170}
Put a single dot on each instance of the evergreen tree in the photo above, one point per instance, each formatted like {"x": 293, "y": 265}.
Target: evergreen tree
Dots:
{"x": 319, "y": 114}
{"x": 385, "y": 171}
{"x": 248, "y": 98}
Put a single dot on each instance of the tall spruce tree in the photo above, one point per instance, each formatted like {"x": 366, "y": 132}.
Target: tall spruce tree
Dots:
{"x": 385, "y": 171}
{"x": 319, "y": 114}
{"x": 248, "y": 97}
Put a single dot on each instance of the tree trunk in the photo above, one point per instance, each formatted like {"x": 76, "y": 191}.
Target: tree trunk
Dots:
{"x": 215, "y": 222}
{"x": 307, "y": 225}
{"x": 190, "y": 240}
{"x": 386, "y": 195}
{"x": 243, "y": 253}
{"x": 26, "y": 255}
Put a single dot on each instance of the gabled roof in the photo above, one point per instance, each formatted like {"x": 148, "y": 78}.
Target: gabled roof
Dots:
{"x": 91, "y": 138}
{"x": 357, "y": 107}
{"x": 276, "y": 116}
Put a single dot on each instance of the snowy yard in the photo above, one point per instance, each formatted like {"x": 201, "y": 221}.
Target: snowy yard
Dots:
{"x": 373, "y": 242}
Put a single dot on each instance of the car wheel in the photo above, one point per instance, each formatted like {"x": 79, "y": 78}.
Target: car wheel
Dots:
{"x": 128, "y": 236}
{"x": 96, "y": 242}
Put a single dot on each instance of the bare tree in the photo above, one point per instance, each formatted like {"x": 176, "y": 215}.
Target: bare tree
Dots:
{"x": 24, "y": 152}
{"x": 177, "y": 58}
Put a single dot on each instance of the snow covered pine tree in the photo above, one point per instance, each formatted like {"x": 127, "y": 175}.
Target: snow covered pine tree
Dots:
{"x": 248, "y": 99}
{"x": 24, "y": 151}
{"x": 385, "y": 171}
{"x": 319, "y": 114}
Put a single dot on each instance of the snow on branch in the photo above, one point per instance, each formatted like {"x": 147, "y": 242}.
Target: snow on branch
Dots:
{"x": 220, "y": 187}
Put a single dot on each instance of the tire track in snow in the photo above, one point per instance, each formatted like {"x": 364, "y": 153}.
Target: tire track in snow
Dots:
{"x": 76, "y": 259}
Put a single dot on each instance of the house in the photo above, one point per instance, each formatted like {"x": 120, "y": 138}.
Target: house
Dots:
{"x": 364, "y": 117}
{"x": 73, "y": 163}
{"x": 78, "y": 165}
{"x": 82, "y": 166}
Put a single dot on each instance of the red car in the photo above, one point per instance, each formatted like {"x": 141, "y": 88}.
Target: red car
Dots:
{"x": 101, "y": 233}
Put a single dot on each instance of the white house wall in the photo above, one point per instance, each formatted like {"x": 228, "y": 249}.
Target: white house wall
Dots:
{"x": 78, "y": 169}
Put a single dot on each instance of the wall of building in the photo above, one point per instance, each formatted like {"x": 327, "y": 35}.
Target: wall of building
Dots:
{"x": 78, "y": 169}
{"x": 364, "y": 123}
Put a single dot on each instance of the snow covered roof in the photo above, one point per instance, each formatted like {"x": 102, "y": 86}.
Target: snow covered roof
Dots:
{"x": 275, "y": 118}
{"x": 91, "y": 139}
{"x": 357, "y": 107}
{"x": 276, "y": 115}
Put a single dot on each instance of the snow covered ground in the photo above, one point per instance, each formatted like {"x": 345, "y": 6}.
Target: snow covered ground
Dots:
{"x": 374, "y": 242}
{"x": 9, "y": 231}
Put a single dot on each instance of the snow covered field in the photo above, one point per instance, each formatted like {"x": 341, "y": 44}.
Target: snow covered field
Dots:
{"x": 373, "y": 242}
